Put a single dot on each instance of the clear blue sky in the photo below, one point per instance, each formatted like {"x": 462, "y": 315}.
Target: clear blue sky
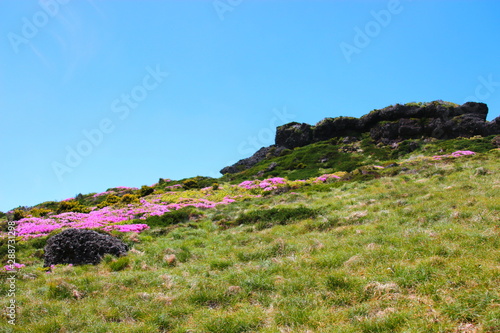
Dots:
{"x": 175, "y": 89}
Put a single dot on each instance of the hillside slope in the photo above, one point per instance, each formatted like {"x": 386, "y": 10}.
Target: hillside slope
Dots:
{"x": 399, "y": 241}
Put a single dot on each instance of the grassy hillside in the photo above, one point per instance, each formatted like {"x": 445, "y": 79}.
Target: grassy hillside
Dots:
{"x": 393, "y": 240}
{"x": 335, "y": 155}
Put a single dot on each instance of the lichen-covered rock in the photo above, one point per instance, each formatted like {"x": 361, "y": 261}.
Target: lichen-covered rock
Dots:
{"x": 80, "y": 247}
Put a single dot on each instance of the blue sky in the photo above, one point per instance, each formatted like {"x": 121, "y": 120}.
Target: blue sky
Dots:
{"x": 97, "y": 94}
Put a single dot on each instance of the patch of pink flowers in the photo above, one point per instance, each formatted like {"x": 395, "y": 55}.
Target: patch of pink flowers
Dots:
{"x": 127, "y": 227}
{"x": 324, "y": 178}
{"x": 126, "y": 188}
{"x": 266, "y": 184}
{"x": 458, "y": 153}
{"x": 111, "y": 218}
{"x": 173, "y": 187}
{"x": 103, "y": 193}
{"x": 13, "y": 267}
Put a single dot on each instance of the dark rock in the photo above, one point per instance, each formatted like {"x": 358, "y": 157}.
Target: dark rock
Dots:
{"x": 398, "y": 122}
{"x": 478, "y": 109}
{"x": 272, "y": 166}
{"x": 496, "y": 141}
{"x": 493, "y": 127}
{"x": 400, "y": 129}
{"x": 350, "y": 139}
{"x": 259, "y": 174}
{"x": 80, "y": 247}
{"x": 466, "y": 125}
{"x": 246, "y": 163}
{"x": 335, "y": 127}
{"x": 436, "y": 109}
{"x": 294, "y": 135}
{"x": 392, "y": 165}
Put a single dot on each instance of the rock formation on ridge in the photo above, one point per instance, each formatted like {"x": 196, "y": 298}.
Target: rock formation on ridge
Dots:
{"x": 395, "y": 123}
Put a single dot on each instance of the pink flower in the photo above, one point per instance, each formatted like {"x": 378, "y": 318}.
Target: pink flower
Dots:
{"x": 13, "y": 267}
{"x": 462, "y": 153}
{"x": 127, "y": 227}
{"x": 325, "y": 177}
{"x": 458, "y": 153}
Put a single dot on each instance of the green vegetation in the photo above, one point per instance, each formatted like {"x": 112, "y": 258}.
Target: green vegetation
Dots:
{"x": 435, "y": 103}
{"x": 71, "y": 206}
{"x": 173, "y": 217}
{"x": 334, "y": 155}
{"x": 269, "y": 217}
{"x": 400, "y": 244}
{"x": 146, "y": 190}
{"x": 198, "y": 182}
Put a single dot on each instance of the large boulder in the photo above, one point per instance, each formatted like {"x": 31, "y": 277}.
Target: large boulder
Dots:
{"x": 294, "y": 135}
{"x": 80, "y": 247}
{"x": 336, "y": 127}
{"x": 493, "y": 127}
{"x": 394, "y": 130}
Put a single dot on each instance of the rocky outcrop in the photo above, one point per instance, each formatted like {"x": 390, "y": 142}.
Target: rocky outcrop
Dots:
{"x": 338, "y": 127}
{"x": 493, "y": 127}
{"x": 438, "y": 119}
{"x": 294, "y": 135}
{"x": 261, "y": 154}
{"x": 398, "y": 122}
{"x": 79, "y": 247}
{"x": 433, "y": 110}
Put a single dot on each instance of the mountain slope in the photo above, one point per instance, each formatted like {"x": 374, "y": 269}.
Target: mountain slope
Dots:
{"x": 410, "y": 244}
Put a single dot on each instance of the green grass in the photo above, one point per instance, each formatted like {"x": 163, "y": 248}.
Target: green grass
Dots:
{"x": 416, "y": 250}
{"x": 334, "y": 155}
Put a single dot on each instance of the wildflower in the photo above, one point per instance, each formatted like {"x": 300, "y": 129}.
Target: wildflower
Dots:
{"x": 325, "y": 177}
{"x": 13, "y": 267}
{"x": 127, "y": 227}
{"x": 458, "y": 153}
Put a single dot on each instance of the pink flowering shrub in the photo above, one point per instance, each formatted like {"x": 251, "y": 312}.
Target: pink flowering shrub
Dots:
{"x": 324, "y": 178}
{"x": 266, "y": 184}
{"x": 458, "y": 153}
{"x": 127, "y": 227}
{"x": 114, "y": 217}
{"x": 13, "y": 267}
{"x": 174, "y": 187}
{"x": 126, "y": 188}
{"x": 103, "y": 193}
